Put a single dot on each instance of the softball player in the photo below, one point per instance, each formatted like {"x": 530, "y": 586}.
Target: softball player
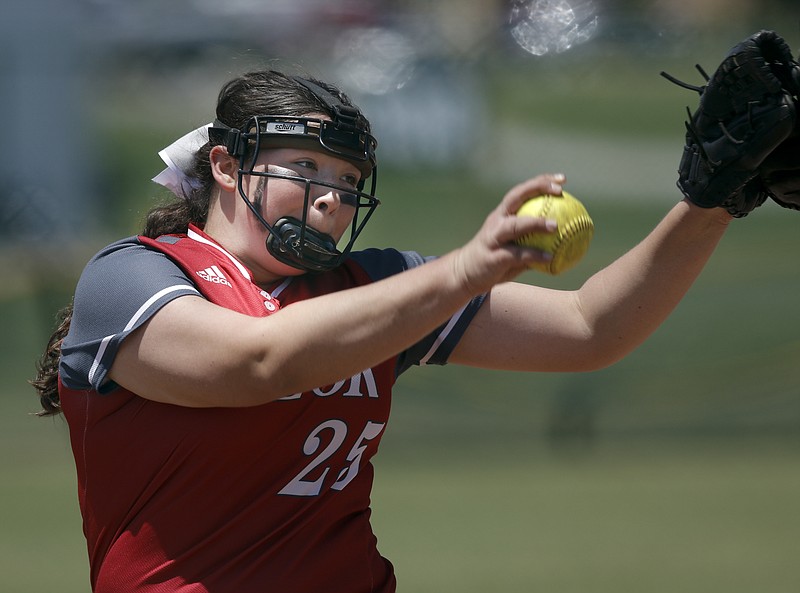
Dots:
{"x": 226, "y": 376}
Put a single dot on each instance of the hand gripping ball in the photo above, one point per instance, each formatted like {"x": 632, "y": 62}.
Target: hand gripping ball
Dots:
{"x": 570, "y": 242}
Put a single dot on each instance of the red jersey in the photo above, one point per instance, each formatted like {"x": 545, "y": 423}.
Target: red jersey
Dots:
{"x": 204, "y": 500}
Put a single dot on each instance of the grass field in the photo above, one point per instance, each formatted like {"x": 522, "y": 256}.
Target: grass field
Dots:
{"x": 674, "y": 471}
{"x": 695, "y": 518}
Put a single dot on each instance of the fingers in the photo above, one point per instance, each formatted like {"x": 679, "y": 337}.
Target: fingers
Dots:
{"x": 511, "y": 226}
{"x": 494, "y": 255}
{"x": 550, "y": 184}
{"x": 526, "y": 256}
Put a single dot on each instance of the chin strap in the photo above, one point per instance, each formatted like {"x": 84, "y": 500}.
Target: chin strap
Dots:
{"x": 301, "y": 246}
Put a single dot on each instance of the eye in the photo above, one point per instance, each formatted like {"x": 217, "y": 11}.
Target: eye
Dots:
{"x": 306, "y": 164}
{"x": 351, "y": 180}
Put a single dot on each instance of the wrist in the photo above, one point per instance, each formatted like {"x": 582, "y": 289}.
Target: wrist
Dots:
{"x": 716, "y": 215}
{"x": 459, "y": 282}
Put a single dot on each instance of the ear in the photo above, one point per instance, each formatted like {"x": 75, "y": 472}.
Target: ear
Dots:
{"x": 224, "y": 168}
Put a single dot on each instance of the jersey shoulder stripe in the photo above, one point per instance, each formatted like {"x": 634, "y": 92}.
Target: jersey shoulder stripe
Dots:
{"x": 120, "y": 288}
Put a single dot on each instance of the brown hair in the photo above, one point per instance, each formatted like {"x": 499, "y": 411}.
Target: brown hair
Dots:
{"x": 263, "y": 92}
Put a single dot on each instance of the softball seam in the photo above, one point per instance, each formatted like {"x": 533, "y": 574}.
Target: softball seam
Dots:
{"x": 575, "y": 226}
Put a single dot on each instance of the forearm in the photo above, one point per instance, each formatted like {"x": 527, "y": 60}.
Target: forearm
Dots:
{"x": 332, "y": 337}
{"x": 308, "y": 344}
{"x": 625, "y": 302}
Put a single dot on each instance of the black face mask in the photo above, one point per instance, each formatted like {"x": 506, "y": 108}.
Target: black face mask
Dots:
{"x": 291, "y": 241}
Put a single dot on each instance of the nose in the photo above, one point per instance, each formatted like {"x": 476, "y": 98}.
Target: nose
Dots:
{"x": 331, "y": 198}
{"x": 328, "y": 202}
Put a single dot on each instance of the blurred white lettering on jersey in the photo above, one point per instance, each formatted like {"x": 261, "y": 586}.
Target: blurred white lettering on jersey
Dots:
{"x": 365, "y": 380}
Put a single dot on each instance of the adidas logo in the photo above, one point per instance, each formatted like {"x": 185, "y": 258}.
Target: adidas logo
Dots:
{"x": 215, "y": 275}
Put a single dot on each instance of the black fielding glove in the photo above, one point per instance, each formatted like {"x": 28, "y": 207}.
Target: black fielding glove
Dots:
{"x": 779, "y": 176}
{"x": 746, "y": 110}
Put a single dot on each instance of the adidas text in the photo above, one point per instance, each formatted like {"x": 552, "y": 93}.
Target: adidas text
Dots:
{"x": 215, "y": 275}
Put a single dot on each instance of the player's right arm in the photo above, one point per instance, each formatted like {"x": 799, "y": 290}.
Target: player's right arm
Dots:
{"x": 194, "y": 353}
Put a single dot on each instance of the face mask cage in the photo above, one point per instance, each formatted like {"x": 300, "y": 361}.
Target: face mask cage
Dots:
{"x": 292, "y": 241}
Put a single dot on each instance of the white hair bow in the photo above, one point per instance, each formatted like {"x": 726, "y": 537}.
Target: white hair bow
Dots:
{"x": 179, "y": 157}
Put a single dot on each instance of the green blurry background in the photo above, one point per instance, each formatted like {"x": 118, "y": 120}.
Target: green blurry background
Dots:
{"x": 674, "y": 470}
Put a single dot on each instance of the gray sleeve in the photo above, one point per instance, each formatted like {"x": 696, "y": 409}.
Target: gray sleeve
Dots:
{"x": 120, "y": 288}
{"x": 437, "y": 346}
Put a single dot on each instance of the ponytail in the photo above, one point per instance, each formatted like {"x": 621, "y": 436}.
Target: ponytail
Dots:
{"x": 46, "y": 380}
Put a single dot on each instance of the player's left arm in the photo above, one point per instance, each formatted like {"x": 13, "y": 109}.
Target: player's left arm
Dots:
{"x": 529, "y": 328}
{"x": 746, "y": 112}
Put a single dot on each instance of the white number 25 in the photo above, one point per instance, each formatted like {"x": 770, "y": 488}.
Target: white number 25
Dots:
{"x": 299, "y": 486}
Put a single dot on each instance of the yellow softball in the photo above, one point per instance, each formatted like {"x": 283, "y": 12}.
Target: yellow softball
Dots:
{"x": 570, "y": 242}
